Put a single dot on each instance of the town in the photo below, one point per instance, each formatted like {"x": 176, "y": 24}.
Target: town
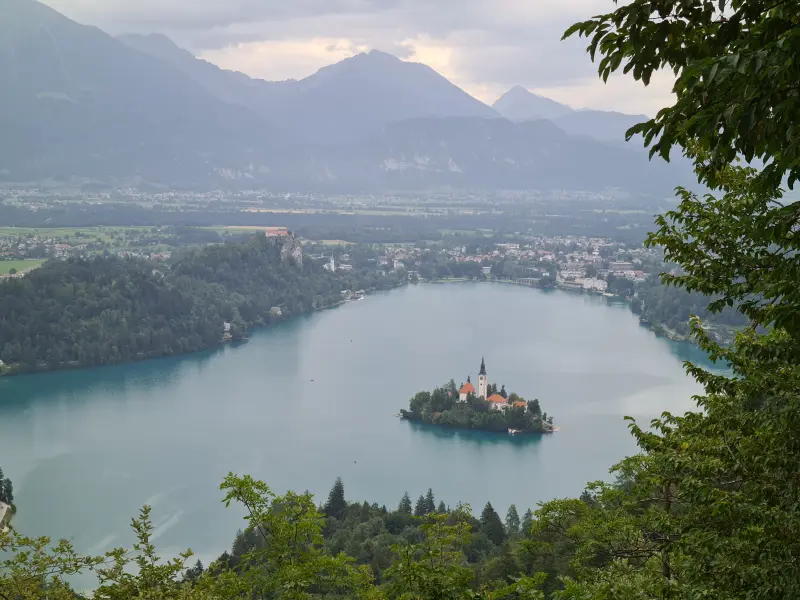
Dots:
{"x": 570, "y": 262}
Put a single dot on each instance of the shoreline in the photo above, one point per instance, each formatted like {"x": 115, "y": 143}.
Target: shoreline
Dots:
{"x": 6, "y": 372}
{"x": 657, "y": 330}
{"x": 489, "y": 431}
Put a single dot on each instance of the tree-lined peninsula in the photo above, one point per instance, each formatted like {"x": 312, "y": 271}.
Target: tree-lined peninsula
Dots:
{"x": 107, "y": 310}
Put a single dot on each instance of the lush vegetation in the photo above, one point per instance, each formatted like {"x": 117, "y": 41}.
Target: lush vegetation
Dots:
{"x": 709, "y": 507}
{"x": 672, "y": 307}
{"x": 109, "y": 310}
{"x": 291, "y": 548}
{"x": 442, "y": 407}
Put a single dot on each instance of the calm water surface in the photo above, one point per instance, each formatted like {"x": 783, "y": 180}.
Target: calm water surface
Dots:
{"x": 311, "y": 400}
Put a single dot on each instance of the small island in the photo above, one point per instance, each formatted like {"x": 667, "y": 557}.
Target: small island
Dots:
{"x": 485, "y": 408}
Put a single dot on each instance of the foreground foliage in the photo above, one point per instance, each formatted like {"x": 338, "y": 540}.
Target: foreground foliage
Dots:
{"x": 289, "y": 549}
{"x": 709, "y": 508}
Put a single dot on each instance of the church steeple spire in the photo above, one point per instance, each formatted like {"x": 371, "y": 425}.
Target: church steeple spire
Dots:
{"x": 483, "y": 383}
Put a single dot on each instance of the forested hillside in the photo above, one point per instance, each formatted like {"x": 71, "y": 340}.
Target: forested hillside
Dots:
{"x": 672, "y": 307}
{"x": 108, "y": 310}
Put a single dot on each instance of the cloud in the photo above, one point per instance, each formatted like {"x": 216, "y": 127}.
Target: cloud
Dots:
{"x": 267, "y": 60}
{"x": 484, "y": 46}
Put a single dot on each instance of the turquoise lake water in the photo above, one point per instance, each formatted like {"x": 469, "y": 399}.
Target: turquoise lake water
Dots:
{"x": 310, "y": 400}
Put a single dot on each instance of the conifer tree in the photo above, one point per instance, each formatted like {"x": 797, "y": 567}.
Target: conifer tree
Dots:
{"x": 336, "y": 504}
{"x": 194, "y": 573}
{"x": 405, "y": 504}
{"x": 442, "y": 508}
{"x": 430, "y": 502}
{"x": 492, "y": 526}
{"x": 527, "y": 522}
{"x": 419, "y": 509}
{"x": 512, "y": 520}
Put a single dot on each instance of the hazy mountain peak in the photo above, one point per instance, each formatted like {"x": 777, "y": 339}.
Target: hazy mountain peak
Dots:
{"x": 156, "y": 44}
{"x": 375, "y": 53}
{"x": 83, "y": 104}
{"x": 520, "y": 104}
{"x": 365, "y": 63}
{"x": 519, "y": 92}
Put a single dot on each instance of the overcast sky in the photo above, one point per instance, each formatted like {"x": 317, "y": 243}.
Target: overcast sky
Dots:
{"x": 484, "y": 46}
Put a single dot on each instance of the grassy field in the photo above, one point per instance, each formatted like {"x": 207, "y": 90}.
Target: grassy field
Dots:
{"x": 103, "y": 233}
{"x": 234, "y": 228}
{"x": 19, "y": 265}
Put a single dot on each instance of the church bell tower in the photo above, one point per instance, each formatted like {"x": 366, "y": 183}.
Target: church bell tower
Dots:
{"x": 483, "y": 384}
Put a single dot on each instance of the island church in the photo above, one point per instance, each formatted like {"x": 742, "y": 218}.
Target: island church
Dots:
{"x": 498, "y": 402}
{"x": 468, "y": 388}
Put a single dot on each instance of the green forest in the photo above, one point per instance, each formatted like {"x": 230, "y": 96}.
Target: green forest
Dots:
{"x": 295, "y": 548}
{"x": 106, "y": 310}
{"x": 442, "y": 407}
{"x": 673, "y": 307}
{"x": 707, "y": 509}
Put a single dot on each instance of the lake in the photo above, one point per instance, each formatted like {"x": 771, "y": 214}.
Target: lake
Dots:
{"x": 310, "y": 400}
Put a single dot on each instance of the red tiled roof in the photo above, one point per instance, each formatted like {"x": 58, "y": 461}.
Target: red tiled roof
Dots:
{"x": 520, "y": 403}
{"x": 467, "y": 388}
{"x": 497, "y": 399}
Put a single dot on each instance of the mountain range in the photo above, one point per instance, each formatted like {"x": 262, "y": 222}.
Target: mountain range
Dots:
{"x": 76, "y": 103}
{"x": 339, "y": 103}
{"x": 520, "y": 105}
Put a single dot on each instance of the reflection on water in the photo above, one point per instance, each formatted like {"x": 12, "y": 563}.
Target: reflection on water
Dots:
{"x": 480, "y": 438}
{"x": 109, "y": 380}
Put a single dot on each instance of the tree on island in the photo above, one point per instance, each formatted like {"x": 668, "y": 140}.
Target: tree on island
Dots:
{"x": 405, "y": 504}
{"x": 533, "y": 407}
{"x": 336, "y": 504}
{"x": 442, "y": 407}
{"x": 492, "y": 526}
{"x": 441, "y": 508}
{"x": 6, "y": 489}
{"x": 512, "y": 520}
{"x": 503, "y": 392}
